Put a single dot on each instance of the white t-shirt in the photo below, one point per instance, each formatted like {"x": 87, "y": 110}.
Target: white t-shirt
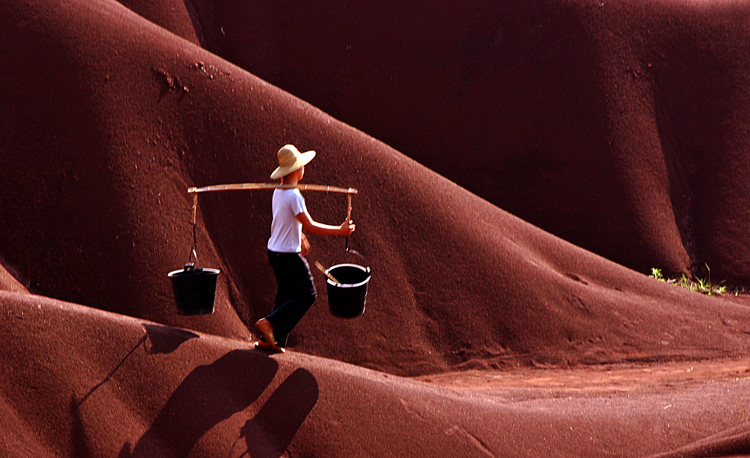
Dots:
{"x": 286, "y": 230}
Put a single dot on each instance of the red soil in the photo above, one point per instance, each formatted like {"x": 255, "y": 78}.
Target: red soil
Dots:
{"x": 619, "y": 126}
{"x": 521, "y": 339}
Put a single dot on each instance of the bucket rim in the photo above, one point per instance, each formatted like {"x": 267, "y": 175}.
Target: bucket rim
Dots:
{"x": 203, "y": 269}
{"x": 349, "y": 285}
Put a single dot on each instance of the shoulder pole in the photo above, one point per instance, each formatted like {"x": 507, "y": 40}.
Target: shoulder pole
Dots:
{"x": 254, "y": 186}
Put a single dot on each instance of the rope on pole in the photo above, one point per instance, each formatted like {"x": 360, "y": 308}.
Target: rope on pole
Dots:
{"x": 195, "y": 209}
{"x": 349, "y": 207}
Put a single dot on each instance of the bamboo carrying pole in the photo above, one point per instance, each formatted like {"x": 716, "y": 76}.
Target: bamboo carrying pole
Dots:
{"x": 250, "y": 186}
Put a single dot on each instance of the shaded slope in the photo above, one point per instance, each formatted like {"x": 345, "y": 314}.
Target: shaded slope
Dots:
{"x": 619, "y": 126}
{"x": 95, "y": 208}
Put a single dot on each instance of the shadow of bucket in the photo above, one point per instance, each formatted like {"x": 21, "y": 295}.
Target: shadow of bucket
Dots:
{"x": 347, "y": 298}
{"x": 194, "y": 289}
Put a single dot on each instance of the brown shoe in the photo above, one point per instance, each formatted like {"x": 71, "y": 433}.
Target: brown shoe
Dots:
{"x": 265, "y": 346}
{"x": 268, "y": 342}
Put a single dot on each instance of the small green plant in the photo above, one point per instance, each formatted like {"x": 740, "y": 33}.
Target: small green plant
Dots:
{"x": 657, "y": 274}
{"x": 700, "y": 285}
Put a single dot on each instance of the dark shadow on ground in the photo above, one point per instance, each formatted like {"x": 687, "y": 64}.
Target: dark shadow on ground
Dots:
{"x": 270, "y": 432}
{"x": 207, "y": 396}
{"x": 164, "y": 339}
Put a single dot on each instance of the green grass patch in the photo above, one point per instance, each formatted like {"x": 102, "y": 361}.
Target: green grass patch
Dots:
{"x": 699, "y": 285}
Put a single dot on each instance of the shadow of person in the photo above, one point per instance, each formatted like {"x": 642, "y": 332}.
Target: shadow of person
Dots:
{"x": 270, "y": 432}
{"x": 163, "y": 339}
{"x": 207, "y": 396}
{"x": 79, "y": 438}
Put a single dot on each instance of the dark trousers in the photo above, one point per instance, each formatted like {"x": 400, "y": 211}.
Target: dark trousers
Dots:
{"x": 295, "y": 293}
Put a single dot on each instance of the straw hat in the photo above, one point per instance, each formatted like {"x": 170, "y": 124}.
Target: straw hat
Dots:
{"x": 290, "y": 159}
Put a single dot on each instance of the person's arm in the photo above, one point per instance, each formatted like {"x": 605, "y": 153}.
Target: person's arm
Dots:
{"x": 314, "y": 227}
{"x": 305, "y": 245}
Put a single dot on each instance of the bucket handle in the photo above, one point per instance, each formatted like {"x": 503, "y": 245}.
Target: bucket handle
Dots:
{"x": 348, "y": 250}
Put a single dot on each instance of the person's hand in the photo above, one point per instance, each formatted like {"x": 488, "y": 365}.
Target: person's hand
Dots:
{"x": 347, "y": 227}
{"x": 305, "y": 245}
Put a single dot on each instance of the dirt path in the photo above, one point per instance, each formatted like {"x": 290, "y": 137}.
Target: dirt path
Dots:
{"x": 597, "y": 379}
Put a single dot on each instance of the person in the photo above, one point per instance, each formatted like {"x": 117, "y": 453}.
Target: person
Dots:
{"x": 287, "y": 247}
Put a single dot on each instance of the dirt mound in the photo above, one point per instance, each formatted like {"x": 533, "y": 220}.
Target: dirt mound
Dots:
{"x": 618, "y": 126}
{"x": 82, "y": 382}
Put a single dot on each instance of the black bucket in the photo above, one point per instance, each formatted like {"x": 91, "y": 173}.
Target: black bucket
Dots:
{"x": 194, "y": 289}
{"x": 346, "y": 299}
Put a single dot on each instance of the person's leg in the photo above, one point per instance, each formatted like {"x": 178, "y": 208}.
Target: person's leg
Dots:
{"x": 296, "y": 293}
{"x": 267, "y": 338}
